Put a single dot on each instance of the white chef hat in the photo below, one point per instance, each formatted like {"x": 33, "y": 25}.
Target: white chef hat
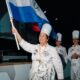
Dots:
{"x": 75, "y": 34}
{"x": 46, "y": 28}
{"x": 59, "y": 36}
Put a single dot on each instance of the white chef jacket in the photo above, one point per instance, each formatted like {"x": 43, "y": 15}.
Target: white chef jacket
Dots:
{"x": 51, "y": 54}
{"x": 72, "y": 50}
{"x": 75, "y": 63}
{"x": 62, "y": 51}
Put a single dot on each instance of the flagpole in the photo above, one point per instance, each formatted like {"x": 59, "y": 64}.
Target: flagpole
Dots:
{"x": 11, "y": 19}
{"x": 15, "y": 35}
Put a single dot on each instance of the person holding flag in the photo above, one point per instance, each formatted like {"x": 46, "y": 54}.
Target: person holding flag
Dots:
{"x": 44, "y": 63}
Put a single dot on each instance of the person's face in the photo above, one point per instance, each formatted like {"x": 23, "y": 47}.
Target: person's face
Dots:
{"x": 43, "y": 39}
{"x": 58, "y": 43}
{"x": 75, "y": 41}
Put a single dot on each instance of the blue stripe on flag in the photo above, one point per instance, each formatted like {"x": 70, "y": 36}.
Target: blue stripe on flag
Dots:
{"x": 26, "y": 14}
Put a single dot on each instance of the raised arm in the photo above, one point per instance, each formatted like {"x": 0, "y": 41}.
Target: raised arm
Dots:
{"x": 24, "y": 44}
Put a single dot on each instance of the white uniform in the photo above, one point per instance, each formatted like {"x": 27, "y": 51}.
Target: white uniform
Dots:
{"x": 75, "y": 63}
{"x": 62, "y": 51}
{"x": 44, "y": 63}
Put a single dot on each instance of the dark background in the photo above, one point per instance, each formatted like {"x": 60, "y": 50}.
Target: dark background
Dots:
{"x": 68, "y": 14}
{"x": 64, "y": 16}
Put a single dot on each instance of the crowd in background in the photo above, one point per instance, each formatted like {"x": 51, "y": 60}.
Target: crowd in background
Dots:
{"x": 73, "y": 55}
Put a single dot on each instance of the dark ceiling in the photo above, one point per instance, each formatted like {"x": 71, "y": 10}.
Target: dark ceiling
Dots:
{"x": 67, "y": 12}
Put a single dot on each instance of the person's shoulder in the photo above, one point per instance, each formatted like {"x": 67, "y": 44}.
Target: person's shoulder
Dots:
{"x": 70, "y": 48}
{"x": 79, "y": 46}
{"x": 51, "y": 47}
{"x": 63, "y": 47}
{"x": 53, "y": 51}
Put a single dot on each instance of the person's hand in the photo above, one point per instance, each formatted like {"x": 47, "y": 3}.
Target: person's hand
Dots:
{"x": 14, "y": 30}
{"x": 11, "y": 20}
{"x": 74, "y": 56}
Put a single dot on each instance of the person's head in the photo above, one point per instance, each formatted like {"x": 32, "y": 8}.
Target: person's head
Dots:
{"x": 58, "y": 39}
{"x": 75, "y": 41}
{"x": 75, "y": 37}
{"x": 45, "y": 33}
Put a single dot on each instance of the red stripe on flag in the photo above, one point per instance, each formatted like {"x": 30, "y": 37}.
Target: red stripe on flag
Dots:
{"x": 35, "y": 27}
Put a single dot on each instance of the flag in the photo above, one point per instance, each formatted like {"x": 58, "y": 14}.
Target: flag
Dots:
{"x": 26, "y": 11}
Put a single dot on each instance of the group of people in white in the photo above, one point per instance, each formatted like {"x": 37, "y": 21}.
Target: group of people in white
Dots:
{"x": 46, "y": 59}
{"x": 73, "y": 54}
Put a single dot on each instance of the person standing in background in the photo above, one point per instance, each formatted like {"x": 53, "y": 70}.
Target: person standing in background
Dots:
{"x": 61, "y": 50}
{"x": 74, "y": 56}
